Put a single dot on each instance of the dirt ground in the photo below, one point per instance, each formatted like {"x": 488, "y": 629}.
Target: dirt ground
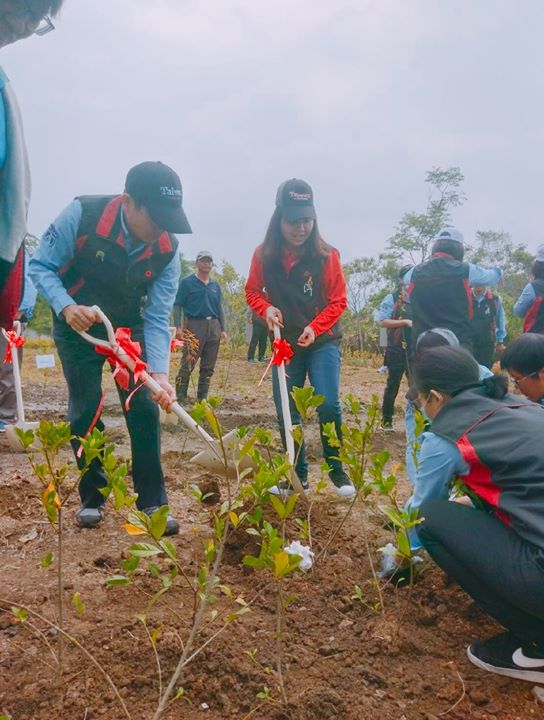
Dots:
{"x": 343, "y": 658}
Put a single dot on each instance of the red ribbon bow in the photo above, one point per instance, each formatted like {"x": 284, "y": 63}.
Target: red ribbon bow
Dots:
{"x": 174, "y": 344}
{"x": 14, "y": 340}
{"x": 133, "y": 349}
{"x": 283, "y": 352}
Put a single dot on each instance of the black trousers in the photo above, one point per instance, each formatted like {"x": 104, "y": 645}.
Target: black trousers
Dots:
{"x": 483, "y": 353}
{"x": 208, "y": 337}
{"x": 502, "y": 572}
{"x": 259, "y": 337}
{"x": 82, "y": 367}
{"x": 397, "y": 366}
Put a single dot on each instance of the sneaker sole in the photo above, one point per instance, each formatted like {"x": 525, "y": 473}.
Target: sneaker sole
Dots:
{"x": 346, "y": 492}
{"x": 528, "y": 675}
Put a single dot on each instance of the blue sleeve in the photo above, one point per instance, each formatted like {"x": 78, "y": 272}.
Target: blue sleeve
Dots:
{"x": 387, "y": 307}
{"x": 56, "y": 248}
{"x": 439, "y": 462}
{"x": 3, "y": 138}
{"x": 525, "y": 300}
{"x": 500, "y": 331}
{"x": 482, "y": 276}
{"x": 30, "y": 294}
{"x": 484, "y": 372}
{"x": 156, "y": 315}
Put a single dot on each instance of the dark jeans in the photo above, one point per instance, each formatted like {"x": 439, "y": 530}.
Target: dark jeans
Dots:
{"x": 82, "y": 367}
{"x": 396, "y": 367}
{"x": 208, "y": 335}
{"x": 502, "y": 572}
{"x": 259, "y": 336}
{"x": 321, "y": 364}
{"x": 483, "y": 353}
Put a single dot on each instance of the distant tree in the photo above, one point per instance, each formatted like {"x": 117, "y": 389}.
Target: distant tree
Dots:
{"x": 415, "y": 232}
{"x": 496, "y": 248}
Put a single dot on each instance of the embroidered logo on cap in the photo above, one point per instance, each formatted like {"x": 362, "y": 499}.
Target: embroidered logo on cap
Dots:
{"x": 170, "y": 191}
{"x": 300, "y": 197}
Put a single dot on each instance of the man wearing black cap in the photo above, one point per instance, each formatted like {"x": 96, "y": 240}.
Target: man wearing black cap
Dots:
{"x": 439, "y": 289}
{"x": 117, "y": 252}
{"x": 201, "y": 300}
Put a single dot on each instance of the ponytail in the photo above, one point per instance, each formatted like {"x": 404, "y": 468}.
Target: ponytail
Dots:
{"x": 495, "y": 387}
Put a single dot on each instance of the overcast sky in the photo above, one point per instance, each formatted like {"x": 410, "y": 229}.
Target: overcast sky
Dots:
{"x": 358, "y": 97}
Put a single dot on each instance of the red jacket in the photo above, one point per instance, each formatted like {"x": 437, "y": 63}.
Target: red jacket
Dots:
{"x": 333, "y": 288}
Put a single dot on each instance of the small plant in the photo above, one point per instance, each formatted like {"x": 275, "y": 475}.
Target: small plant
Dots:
{"x": 59, "y": 479}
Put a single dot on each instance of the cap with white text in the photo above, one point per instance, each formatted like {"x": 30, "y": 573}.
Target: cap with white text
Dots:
{"x": 158, "y": 188}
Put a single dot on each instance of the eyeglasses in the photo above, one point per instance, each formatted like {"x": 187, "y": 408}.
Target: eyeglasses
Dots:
{"x": 520, "y": 380}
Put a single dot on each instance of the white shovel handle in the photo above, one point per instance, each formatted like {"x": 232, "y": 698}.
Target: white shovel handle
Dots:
{"x": 285, "y": 410}
{"x": 148, "y": 381}
{"x": 17, "y": 374}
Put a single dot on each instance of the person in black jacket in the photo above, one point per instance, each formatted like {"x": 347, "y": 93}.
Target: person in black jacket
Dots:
{"x": 494, "y": 547}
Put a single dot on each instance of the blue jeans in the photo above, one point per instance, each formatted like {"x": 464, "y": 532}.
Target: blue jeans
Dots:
{"x": 321, "y": 364}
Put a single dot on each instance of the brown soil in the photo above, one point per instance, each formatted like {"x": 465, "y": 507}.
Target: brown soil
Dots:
{"x": 342, "y": 658}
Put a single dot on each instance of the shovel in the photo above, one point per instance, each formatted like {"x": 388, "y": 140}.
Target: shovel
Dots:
{"x": 21, "y": 424}
{"x": 287, "y": 421}
{"x": 212, "y": 458}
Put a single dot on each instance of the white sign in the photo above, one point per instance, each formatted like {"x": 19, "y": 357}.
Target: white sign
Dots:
{"x": 45, "y": 361}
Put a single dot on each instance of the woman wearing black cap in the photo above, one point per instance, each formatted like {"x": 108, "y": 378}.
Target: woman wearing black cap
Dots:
{"x": 296, "y": 281}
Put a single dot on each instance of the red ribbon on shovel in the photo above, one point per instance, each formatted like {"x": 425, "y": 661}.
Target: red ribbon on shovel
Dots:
{"x": 13, "y": 341}
{"x": 282, "y": 352}
{"x": 121, "y": 374}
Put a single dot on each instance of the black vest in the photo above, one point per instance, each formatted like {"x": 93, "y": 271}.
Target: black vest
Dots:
{"x": 102, "y": 273}
{"x": 534, "y": 318}
{"x": 441, "y": 297}
{"x": 484, "y": 319}
{"x": 399, "y": 338}
{"x": 501, "y": 441}
{"x": 298, "y": 294}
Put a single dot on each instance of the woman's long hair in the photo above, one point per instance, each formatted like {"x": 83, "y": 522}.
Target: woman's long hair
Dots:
{"x": 274, "y": 242}
{"x": 450, "y": 370}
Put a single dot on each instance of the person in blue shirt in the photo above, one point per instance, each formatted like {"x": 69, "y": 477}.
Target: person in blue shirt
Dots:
{"x": 530, "y": 304}
{"x": 117, "y": 252}
{"x": 200, "y": 299}
{"x": 487, "y": 325}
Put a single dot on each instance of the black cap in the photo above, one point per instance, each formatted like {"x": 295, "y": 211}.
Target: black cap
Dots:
{"x": 295, "y": 199}
{"x": 158, "y": 188}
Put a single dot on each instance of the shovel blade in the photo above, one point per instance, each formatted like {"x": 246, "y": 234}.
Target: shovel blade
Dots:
{"x": 11, "y": 435}
{"x": 214, "y": 460}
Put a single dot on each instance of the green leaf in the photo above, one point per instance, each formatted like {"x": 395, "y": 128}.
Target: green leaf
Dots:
{"x": 278, "y": 506}
{"x": 143, "y": 550}
{"x": 169, "y": 548}
{"x": 20, "y": 613}
{"x": 157, "y": 522}
{"x": 47, "y": 560}
{"x": 117, "y": 581}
